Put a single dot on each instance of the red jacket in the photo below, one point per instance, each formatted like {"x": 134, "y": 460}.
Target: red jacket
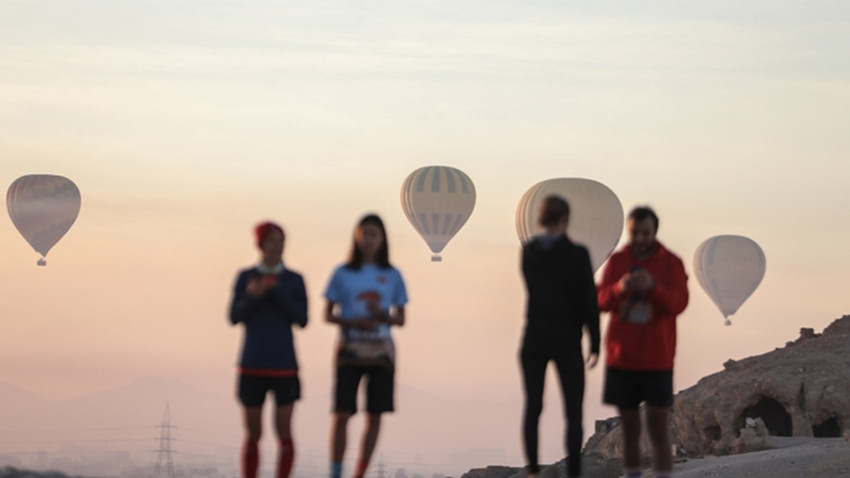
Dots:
{"x": 649, "y": 346}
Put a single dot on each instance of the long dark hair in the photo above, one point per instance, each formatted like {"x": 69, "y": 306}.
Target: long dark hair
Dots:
{"x": 355, "y": 258}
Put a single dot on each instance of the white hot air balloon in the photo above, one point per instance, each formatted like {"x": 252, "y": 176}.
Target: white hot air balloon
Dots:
{"x": 437, "y": 201}
{"x": 596, "y": 215}
{"x": 729, "y": 268}
{"x": 43, "y": 208}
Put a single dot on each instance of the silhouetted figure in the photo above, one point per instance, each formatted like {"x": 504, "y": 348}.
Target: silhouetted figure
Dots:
{"x": 561, "y": 303}
{"x": 268, "y": 299}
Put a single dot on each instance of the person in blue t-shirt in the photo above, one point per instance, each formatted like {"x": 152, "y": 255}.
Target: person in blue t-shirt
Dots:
{"x": 268, "y": 299}
{"x": 365, "y": 297}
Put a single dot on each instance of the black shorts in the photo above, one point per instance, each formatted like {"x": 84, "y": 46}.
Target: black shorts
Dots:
{"x": 380, "y": 386}
{"x": 252, "y": 389}
{"x": 626, "y": 389}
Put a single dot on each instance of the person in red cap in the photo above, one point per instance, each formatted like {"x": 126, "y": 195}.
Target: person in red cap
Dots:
{"x": 268, "y": 299}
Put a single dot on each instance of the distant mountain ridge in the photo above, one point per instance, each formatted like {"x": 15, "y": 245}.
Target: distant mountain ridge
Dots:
{"x": 13, "y": 396}
{"x": 210, "y": 423}
{"x": 138, "y": 403}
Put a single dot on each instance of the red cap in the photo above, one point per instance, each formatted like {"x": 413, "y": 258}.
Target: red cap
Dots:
{"x": 264, "y": 229}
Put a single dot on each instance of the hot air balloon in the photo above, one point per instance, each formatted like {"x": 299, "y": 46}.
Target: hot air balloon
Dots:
{"x": 596, "y": 215}
{"x": 437, "y": 200}
{"x": 729, "y": 268}
{"x": 43, "y": 207}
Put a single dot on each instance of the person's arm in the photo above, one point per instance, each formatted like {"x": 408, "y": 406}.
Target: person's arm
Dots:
{"x": 398, "y": 297}
{"x": 245, "y": 301}
{"x": 394, "y": 317}
{"x": 289, "y": 297}
{"x": 670, "y": 294}
{"x": 588, "y": 298}
{"x": 364, "y": 323}
{"x": 609, "y": 292}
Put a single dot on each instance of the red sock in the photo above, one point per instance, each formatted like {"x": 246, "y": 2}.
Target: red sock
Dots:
{"x": 250, "y": 459}
{"x": 361, "y": 469}
{"x": 287, "y": 456}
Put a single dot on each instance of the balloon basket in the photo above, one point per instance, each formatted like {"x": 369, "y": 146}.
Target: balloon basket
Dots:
{"x": 41, "y": 262}
{"x": 436, "y": 258}
{"x": 727, "y": 323}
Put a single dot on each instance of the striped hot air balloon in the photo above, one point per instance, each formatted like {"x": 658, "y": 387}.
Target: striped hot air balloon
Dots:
{"x": 437, "y": 200}
{"x": 729, "y": 268}
{"x": 596, "y": 215}
{"x": 43, "y": 208}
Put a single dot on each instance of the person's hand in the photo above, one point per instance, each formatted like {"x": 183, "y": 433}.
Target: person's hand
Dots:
{"x": 592, "y": 360}
{"x": 368, "y": 323}
{"x": 378, "y": 314}
{"x": 256, "y": 286}
{"x": 373, "y": 307}
{"x": 624, "y": 284}
{"x": 641, "y": 282}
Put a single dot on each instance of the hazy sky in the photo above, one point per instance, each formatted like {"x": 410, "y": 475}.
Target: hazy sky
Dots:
{"x": 185, "y": 123}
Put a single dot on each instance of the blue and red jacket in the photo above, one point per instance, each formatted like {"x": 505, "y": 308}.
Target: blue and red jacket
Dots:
{"x": 268, "y": 347}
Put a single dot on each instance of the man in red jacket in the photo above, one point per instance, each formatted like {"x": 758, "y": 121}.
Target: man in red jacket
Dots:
{"x": 644, "y": 287}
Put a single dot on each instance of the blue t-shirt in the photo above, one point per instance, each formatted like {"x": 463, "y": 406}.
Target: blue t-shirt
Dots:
{"x": 353, "y": 289}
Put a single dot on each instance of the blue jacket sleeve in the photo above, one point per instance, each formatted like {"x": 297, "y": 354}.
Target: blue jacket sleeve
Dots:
{"x": 289, "y": 298}
{"x": 243, "y": 305}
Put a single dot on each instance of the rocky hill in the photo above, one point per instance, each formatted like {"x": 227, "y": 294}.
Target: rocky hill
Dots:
{"x": 763, "y": 402}
{"x": 800, "y": 390}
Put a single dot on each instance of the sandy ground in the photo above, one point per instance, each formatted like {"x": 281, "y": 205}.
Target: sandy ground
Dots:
{"x": 790, "y": 457}
{"x": 787, "y": 458}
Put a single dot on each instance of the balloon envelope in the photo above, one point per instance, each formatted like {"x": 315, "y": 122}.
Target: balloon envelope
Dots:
{"x": 43, "y": 207}
{"x": 729, "y": 268}
{"x": 596, "y": 215}
{"x": 437, "y": 201}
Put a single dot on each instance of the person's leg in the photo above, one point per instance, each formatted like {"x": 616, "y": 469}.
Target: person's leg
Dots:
{"x": 287, "y": 390}
{"x": 534, "y": 375}
{"x": 367, "y": 445}
{"x": 659, "y": 436}
{"x": 339, "y": 427}
{"x": 571, "y": 375}
{"x": 250, "y": 448}
{"x": 283, "y": 423}
{"x": 251, "y": 393}
{"x": 345, "y": 404}
{"x": 622, "y": 389}
{"x": 380, "y": 391}
{"x": 659, "y": 400}
{"x": 630, "y": 423}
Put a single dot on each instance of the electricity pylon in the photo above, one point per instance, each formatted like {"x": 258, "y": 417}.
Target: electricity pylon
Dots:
{"x": 164, "y": 465}
{"x": 382, "y": 468}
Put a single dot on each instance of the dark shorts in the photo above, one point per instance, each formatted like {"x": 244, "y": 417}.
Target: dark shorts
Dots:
{"x": 626, "y": 389}
{"x": 252, "y": 389}
{"x": 380, "y": 384}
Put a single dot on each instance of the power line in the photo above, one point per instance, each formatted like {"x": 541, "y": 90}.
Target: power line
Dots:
{"x": 70, "y": 441}
{"x": 382, "y": 468}
{"x": 164, "y": 464}
{"x": 61, "y": 430}
{"x": 209, "y": 432}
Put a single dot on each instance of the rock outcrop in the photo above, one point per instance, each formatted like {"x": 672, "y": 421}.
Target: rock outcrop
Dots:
{"x": 10, "y": 472}
{"x": 801, "y": 390}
